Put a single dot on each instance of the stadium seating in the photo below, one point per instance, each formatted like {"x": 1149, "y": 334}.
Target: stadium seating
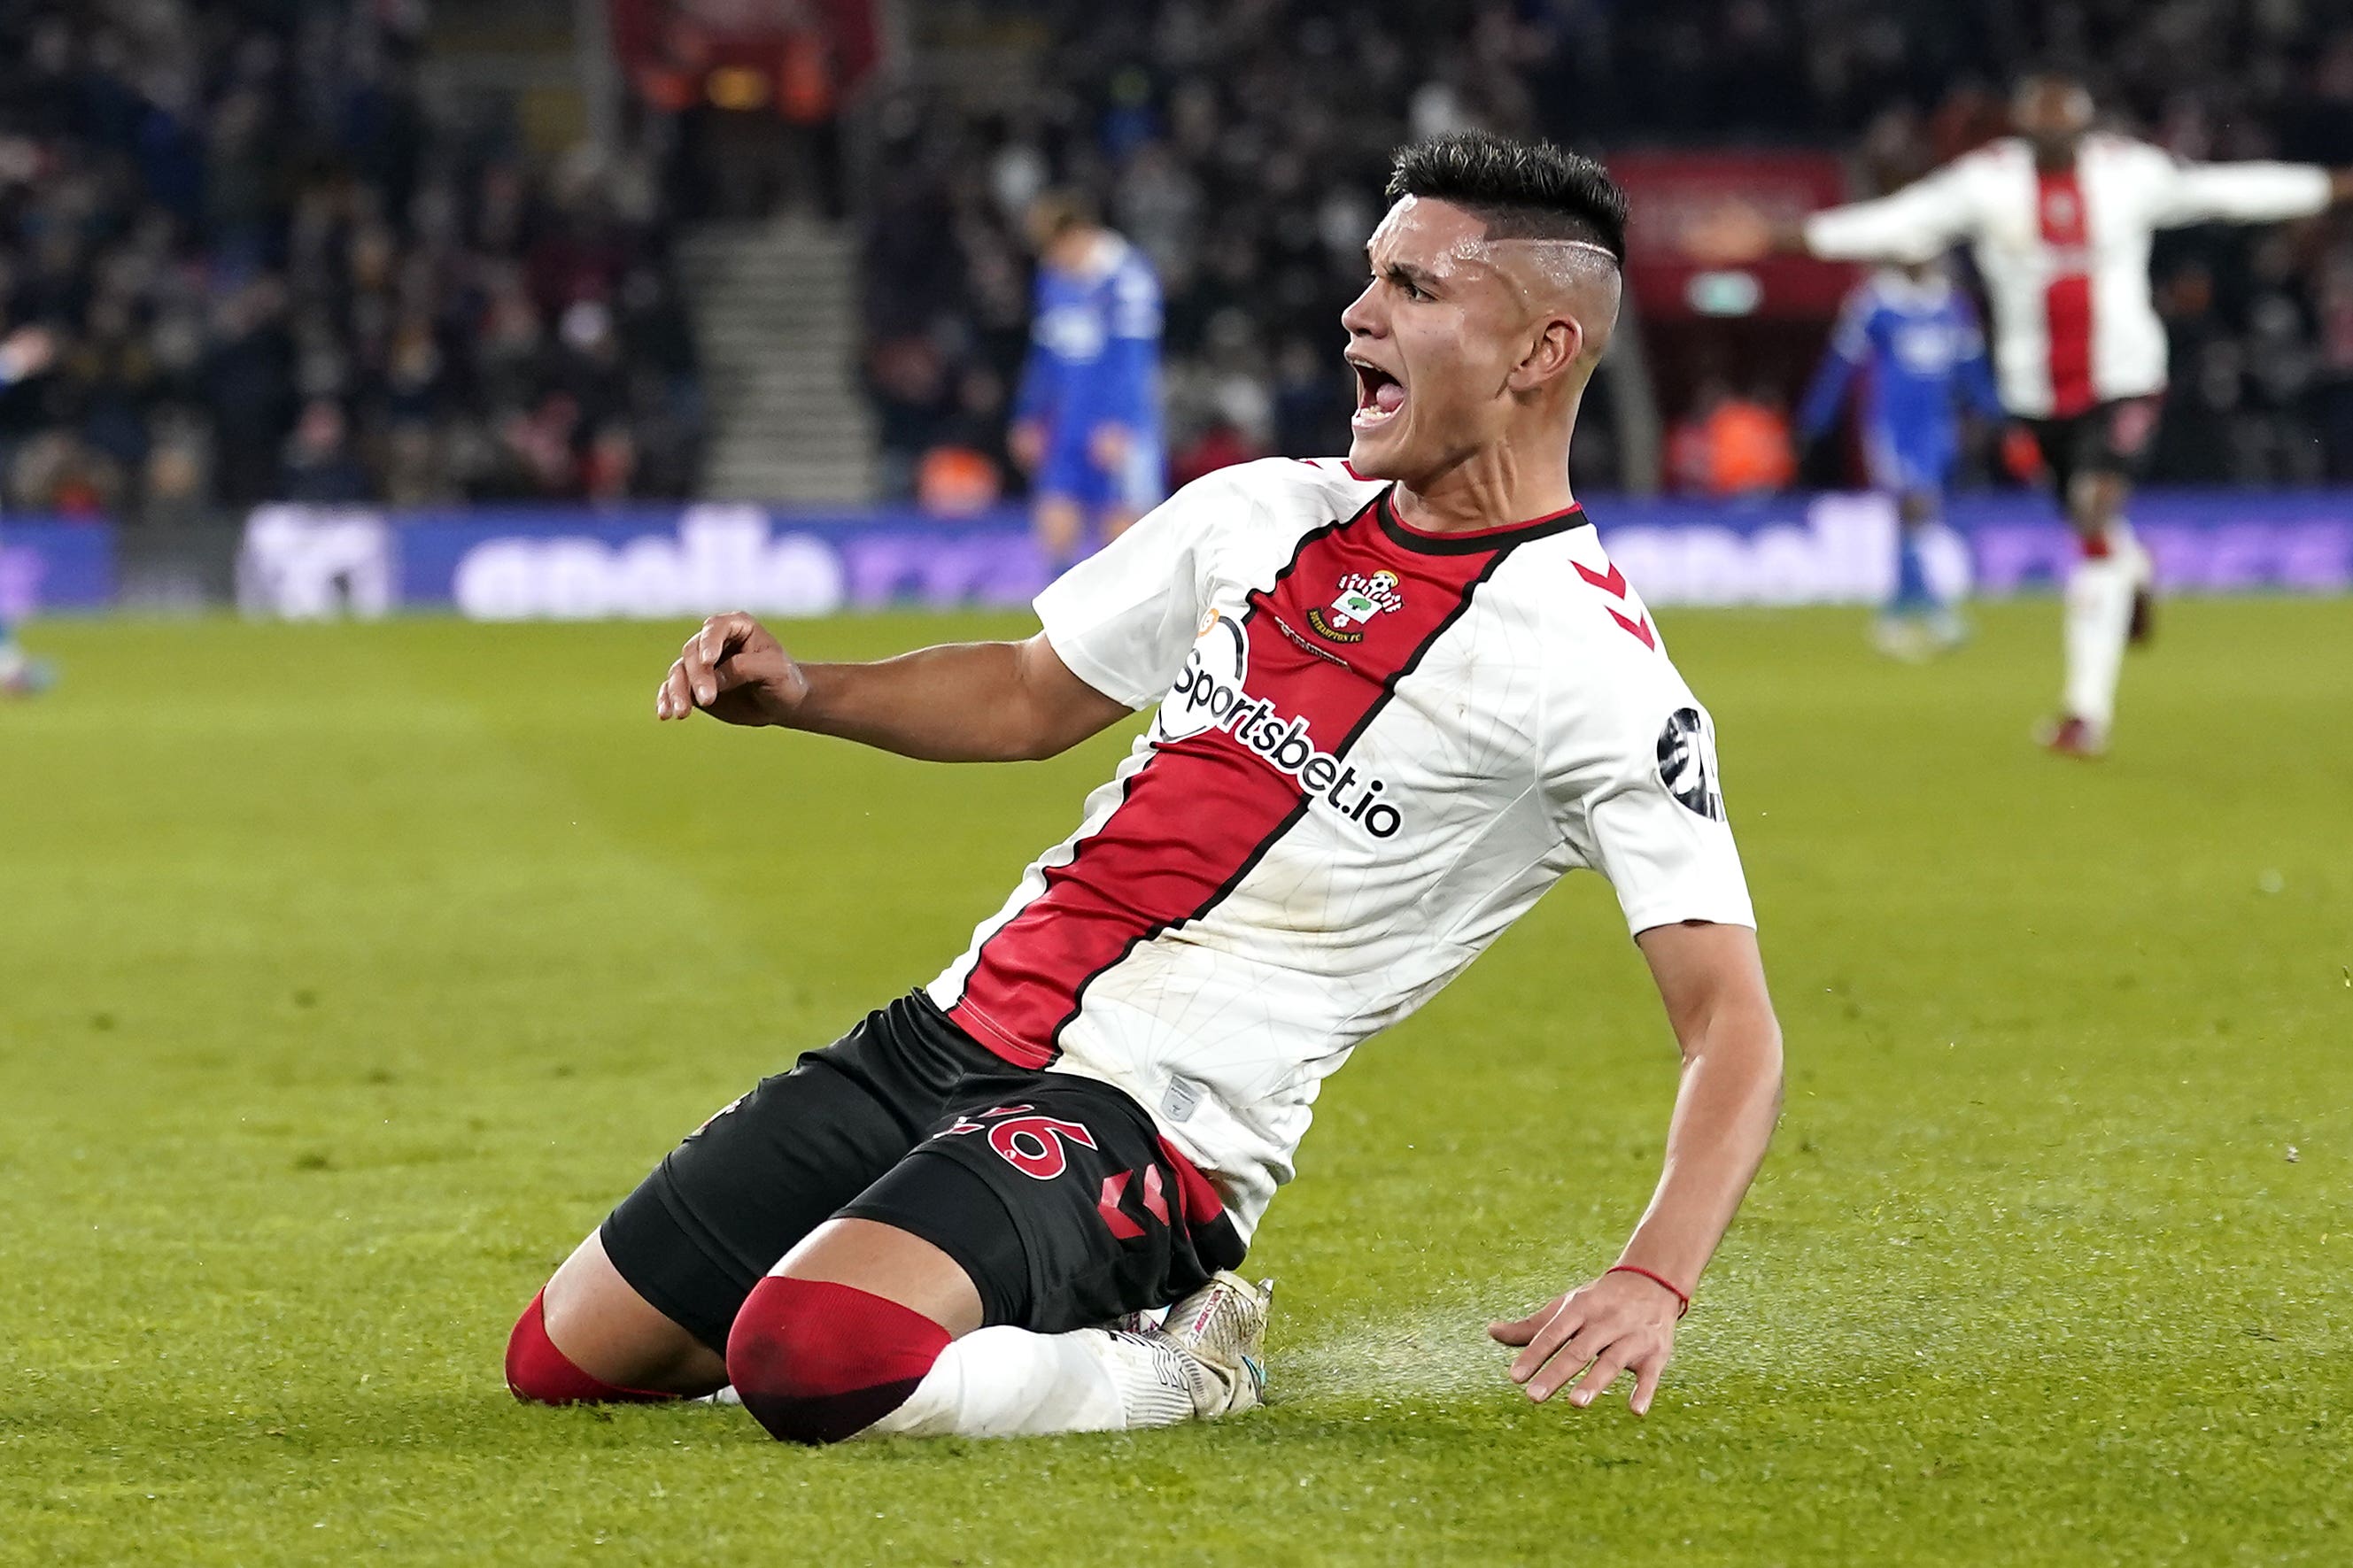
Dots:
{"x": 277, "y": 269}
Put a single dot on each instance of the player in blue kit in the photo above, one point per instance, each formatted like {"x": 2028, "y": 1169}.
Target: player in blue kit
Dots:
{"x": 1912, "y": 340}
{"x": 1086, "y": 420}
{"x": 25, "y": 354}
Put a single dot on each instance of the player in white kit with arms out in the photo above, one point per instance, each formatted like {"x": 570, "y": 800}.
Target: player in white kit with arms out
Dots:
{"x": 2059, "y": 218}
{"x": 1398, "y": 696}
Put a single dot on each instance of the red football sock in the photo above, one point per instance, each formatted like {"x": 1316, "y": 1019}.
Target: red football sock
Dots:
{"x": 539, "y": 1373}
{"x": 817, "y": 1362}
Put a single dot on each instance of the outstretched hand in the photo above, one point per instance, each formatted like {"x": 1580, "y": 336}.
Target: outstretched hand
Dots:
{"x": 1732, "y": 234}
{"x": 734, "y": 669}
{"x": 1621, "y": 1322}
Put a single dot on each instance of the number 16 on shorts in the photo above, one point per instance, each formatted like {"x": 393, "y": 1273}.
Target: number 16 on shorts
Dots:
{"x": 1035, "y": 1145}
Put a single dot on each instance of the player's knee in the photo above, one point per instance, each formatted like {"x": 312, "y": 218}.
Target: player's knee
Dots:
{"x": 537, "y": 1373}
{"x": 817, "y": 1362}
{"x": 540, "y": 1373}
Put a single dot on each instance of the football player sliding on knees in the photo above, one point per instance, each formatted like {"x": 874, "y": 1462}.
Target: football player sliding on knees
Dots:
{"x": 1395, "y": 698}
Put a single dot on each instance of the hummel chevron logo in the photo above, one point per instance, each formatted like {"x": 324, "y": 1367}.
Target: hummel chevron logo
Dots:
{"x": 1613, "y": 582}
{"x": 1115, "y": 1187}
{"x": 1114, "y": 1190}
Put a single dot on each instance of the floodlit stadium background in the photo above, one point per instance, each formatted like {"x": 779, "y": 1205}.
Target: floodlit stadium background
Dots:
{"x": 430, "y": 270}
{"x": 350, "y": 968}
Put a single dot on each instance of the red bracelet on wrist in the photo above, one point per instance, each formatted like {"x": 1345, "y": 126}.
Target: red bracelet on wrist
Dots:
{"x": 1683, "y": 1301}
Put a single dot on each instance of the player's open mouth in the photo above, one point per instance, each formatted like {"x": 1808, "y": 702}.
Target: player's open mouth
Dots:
{"x": 1379, "y": 395}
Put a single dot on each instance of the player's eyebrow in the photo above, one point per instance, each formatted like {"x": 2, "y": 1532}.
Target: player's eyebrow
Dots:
{"x": 1406, "y": 272}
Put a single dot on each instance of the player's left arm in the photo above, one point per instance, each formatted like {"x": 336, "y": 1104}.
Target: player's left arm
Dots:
{"x": 1713, "y": 982}
{"x": 2245, "y": 192}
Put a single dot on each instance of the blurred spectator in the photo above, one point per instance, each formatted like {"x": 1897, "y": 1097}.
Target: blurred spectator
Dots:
{"x": 58, "y": 471}
{"x": 274, "y": 271}
{"x": 319, "y": 467}
{"x": 955, "y": 480}
{"x": 176, "y": 486}
{"x": 1732, "y": 443}
{"x": 1220, "y": 445}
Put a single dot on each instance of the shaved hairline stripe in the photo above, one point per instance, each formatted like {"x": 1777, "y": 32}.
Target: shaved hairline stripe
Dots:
{"x": 1543, "y": 240}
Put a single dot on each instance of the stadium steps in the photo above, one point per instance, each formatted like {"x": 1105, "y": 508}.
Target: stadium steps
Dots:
{"x": 775, "y": 313}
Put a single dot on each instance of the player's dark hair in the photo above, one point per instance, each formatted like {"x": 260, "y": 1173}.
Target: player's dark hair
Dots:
{"x": 1520, "y": 190}
{"x": 2064, "y": 66}
{"x": 1056, "y": 213}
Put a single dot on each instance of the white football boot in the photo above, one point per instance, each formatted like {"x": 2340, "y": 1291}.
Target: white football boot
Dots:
{"x": 1220, "y": 1332}
{"x": 1136, "y": 1322}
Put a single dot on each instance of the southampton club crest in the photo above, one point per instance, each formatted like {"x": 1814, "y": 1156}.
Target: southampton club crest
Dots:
{"x": 1360, "y": 598}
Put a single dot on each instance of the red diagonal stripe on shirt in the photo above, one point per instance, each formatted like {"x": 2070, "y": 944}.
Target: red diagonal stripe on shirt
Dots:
{"x": 1204, "y": 810}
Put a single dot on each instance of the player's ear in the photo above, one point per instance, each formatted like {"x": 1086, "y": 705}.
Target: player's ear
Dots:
{"x": 1553, "y": 351}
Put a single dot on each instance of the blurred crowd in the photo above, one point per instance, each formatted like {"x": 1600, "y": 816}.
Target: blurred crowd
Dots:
{"x": 258, "y": 262}
{"x": 245, "y": 258}
{"x": 1242, "y": 145}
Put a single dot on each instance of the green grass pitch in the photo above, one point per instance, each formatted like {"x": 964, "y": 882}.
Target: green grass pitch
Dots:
{"x": 347, "y": 974}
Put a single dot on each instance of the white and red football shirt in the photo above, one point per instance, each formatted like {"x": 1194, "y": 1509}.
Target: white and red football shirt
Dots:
{"x": 1375, "y": 748}
{"x": 2064, "y": 255}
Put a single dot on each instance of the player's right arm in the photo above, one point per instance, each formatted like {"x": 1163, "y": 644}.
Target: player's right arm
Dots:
{"x": 1118, "y": 626}
{"x": 1918, "y": 223}
{"x": 958, "y": 702}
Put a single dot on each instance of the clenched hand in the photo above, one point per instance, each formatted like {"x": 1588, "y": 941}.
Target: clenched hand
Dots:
{"x": 734, "y": 669}
{"x": 1621, "y": 1322}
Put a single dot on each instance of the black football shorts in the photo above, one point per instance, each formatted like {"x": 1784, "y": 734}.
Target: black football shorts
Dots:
{"x": 1055, "y": 1192}
{"x": 2110, "y": 438}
